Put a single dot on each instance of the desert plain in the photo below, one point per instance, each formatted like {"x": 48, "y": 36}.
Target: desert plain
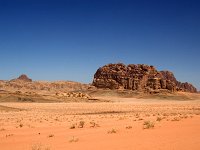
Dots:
{"x": 120, "y": 123}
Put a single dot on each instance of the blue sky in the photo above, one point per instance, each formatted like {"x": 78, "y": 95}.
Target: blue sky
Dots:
{"x": 70, "y": 39}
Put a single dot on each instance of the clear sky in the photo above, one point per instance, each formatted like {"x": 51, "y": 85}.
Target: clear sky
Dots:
{"x": 71, "y": 39}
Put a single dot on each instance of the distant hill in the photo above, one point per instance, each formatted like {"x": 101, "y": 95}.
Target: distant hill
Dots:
{"x": 23, "y": 83}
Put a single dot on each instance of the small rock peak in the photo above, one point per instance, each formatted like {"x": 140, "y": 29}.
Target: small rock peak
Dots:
{"x": 24, "y": 77}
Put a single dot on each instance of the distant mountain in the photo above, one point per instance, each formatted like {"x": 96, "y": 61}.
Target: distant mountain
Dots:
{"x": 23, "y": 77}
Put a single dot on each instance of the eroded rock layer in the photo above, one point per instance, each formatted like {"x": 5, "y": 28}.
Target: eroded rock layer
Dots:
{"x": 138, "y": 77}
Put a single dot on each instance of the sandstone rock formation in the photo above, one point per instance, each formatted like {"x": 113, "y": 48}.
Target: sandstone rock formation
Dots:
{"x": 186, "y": 87}
{"x": 138, "y": 77}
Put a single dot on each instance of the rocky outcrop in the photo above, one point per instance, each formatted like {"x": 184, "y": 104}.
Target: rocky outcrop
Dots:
{"x": 138, "y": 77}
{"x": 186, "y": 87}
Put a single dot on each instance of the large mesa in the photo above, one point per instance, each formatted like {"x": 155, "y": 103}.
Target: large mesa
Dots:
{"x": 138, "y": 77}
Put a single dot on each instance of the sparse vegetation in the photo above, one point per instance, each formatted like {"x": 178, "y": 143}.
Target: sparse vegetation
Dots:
{"x": 21, "y": 125}
{"x": 8, "y": 135}
{"x": 165, "y": 114}
{"x": 51, "y": 135}
{"x": 184, "y": 116}
{"x": 2, "y": 129}
{"x": 129, "y": 127}
{"x": 93, "y": 124}
{"x": 74, "y": 139}
{"x": 81, "y": 124}
{"x": 176, "y": 119}
{"x": 147, "y": 115}
{"x": 140, "y": 119}
{"x": 72, "y": 126}
{"x": 137, "y": 115}
{"x": 158, "y": 119}
{"x": 112, "y": 131}
{"x": 79, "y": 118}
{"x": 39, "y": 147}
{"x": 148, "y": 125}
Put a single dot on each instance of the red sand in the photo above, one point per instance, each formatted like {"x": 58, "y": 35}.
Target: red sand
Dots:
{"x": 48, "y": 129}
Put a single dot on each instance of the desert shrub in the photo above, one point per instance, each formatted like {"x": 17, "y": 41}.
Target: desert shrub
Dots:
{"x": 112, "y": 131}
{"x": 21, "y": 125}
{"x": 73, "y": 139}
{"x": 72, "y": 126}
{"x": 50, "y": 135}
{"x": 176, "y": 119}
{"x": 158, "y": 119}
{"x": 81, "y": 124}
{"x": 148, "y": 125}
{"x": 37, "y": 147}
{"x": 129, "y": 127}
{"x": 93, "y": 124}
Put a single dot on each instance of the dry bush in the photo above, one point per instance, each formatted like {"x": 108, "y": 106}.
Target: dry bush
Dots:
{"x": 81, "y": 124}
{"x": 176, "y": 119}
{"x": 159, "y": 119}
{"x": 94, "y": 124}
{"x": 39, "y": 147}
{"x": 148, "y": 125}
{"x": 112, "y": 131}
{"x": 36, "y": 147}
{"x": 72, "y": 126}
{"x": 129, "y": 127}
{"x": 73, "y": 139}
{"x": 21, "y": 125}
{"x": 51, "y": 135}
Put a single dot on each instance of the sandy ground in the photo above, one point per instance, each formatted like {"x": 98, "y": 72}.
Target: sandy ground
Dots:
{"x": 122, "y": 125}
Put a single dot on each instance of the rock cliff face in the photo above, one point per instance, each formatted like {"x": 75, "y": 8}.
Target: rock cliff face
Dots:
{"x": 186, "y": 87}
{"x": 138, "y": 77}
